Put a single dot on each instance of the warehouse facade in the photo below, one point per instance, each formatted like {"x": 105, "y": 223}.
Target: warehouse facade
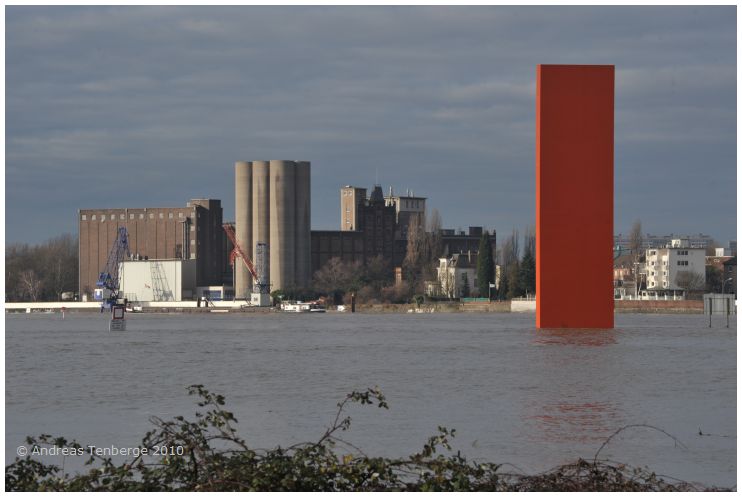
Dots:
{"x": 366, "y": 233}
{"x": 190, "y": 232}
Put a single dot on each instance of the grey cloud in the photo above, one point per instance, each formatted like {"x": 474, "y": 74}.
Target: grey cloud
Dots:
{"x": 128, "y": 106}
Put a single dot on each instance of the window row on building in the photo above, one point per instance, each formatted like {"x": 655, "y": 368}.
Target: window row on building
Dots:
{"x": 132, "y": 216}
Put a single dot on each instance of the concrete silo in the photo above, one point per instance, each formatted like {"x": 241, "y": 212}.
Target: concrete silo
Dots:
{"x": 282, "y": 224}
{"x": 303, "y": 224}
{"x": 261, "y": 205}
{"x": 243, "y": 226}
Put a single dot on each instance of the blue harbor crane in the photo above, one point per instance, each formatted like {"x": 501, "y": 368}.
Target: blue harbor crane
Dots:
{"x": 107, "y": 287}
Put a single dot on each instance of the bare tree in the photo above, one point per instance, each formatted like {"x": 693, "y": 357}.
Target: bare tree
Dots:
{"x": 690, "y": 281}
{"x": 529, "y": 241}
{"x": 53, "y": 264}
{"x": 377, "y": 273}
{"x": 415, "y": 242}
{"x": 59, "y": 255}
{"x": 449, "y": 278}
{"x": 17, "y": 259}
{"x": 636, "y": 242}
{"x": 337, "y": 277}
{"x": 30, "y": 284}
{"x": 397, "y": 294}
{"x": 636, "y": 239}
{"x": 514, "y": 246}
{"x": 417, "y": 260}
{"x": 714, "y": 279}
{"x": 510, "y": 249}
{"x": 435, "y": 224}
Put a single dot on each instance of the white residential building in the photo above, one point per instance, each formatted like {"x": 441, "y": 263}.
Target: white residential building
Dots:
{"x": 623, "y": 242}
{"x": 454, "y": 274}
{"x": 664, "y": 266}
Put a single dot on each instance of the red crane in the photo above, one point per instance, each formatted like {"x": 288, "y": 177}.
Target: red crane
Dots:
{"x": 237, "y": 251}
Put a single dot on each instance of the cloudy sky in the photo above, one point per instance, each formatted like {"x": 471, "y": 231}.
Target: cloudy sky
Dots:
{"x": 148, "y": 107}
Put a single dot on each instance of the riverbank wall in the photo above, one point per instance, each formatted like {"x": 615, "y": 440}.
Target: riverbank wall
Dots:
{"x": 621, "y": 306}
{"x": 186, "y": 306}
{"x": 660, "y": 306}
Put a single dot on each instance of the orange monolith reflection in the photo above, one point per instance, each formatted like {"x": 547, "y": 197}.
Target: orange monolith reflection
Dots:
{"x": 574, "y": 196}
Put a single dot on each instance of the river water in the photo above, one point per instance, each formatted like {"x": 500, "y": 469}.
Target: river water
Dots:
{"x": 517, "y": 395}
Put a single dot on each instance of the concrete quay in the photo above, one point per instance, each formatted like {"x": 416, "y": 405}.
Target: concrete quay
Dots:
{"x": 525, "y": 306}
{"x": 182, "y": 306}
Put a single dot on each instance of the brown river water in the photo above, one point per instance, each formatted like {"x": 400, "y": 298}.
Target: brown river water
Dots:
{"x": 514, "y": 394}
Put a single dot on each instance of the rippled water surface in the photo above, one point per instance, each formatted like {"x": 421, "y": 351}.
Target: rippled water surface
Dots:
{"x": 514, "y": 394}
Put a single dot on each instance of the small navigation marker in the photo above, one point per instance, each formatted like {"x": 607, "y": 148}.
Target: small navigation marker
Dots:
{"x": 118, "y": 323}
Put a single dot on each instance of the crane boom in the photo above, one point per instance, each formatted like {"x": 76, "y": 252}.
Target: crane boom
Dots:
{"x": 245, "y": 259}
{"x": 108, "y": 279}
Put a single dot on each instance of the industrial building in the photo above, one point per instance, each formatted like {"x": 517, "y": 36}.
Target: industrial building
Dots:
{"x": 184, "y": 252}
{"x": 405, "y": 208}
{"x": 377, "y": 225}
{"x": 154, "y": 280}
{"x": 461, "y": 242}
{"x": 273, "y": 206}
{"x": 190, "y": 233}
{"x": 367, "y": 230}
{"x": 354, "y": 205}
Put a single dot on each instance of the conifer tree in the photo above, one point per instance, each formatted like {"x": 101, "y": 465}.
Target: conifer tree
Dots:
{"x": 528, "y": 272}
{"x": 485, "y": 265}
{"x": 514, "y": 289}
{"x": 465, "y": 289}
{"x": 504, "y": 288}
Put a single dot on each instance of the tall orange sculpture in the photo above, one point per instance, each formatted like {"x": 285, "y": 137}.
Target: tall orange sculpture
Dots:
{"x": 574, "y": 196}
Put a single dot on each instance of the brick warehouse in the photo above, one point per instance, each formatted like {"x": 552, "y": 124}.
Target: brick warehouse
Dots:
{"x": 190, "y": 232}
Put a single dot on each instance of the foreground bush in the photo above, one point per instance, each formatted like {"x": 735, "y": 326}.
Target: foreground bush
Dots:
{"x": 215, "y": 458}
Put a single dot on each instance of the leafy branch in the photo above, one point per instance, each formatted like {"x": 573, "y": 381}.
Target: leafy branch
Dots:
{"x": 212, "y": 457}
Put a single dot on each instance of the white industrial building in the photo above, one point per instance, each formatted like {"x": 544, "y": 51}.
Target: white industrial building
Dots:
{"x": 162, "y": 280}
{"x": 664, "y": 266}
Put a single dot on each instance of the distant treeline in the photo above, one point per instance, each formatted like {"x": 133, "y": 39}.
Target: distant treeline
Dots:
{"x": 43, "y": 272}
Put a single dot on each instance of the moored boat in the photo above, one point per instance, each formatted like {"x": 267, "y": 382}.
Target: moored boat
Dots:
{"x": 290, "y": 306}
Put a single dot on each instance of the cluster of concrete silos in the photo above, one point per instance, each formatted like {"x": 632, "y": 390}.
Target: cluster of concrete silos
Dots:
{"x": 273, "y": 206}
